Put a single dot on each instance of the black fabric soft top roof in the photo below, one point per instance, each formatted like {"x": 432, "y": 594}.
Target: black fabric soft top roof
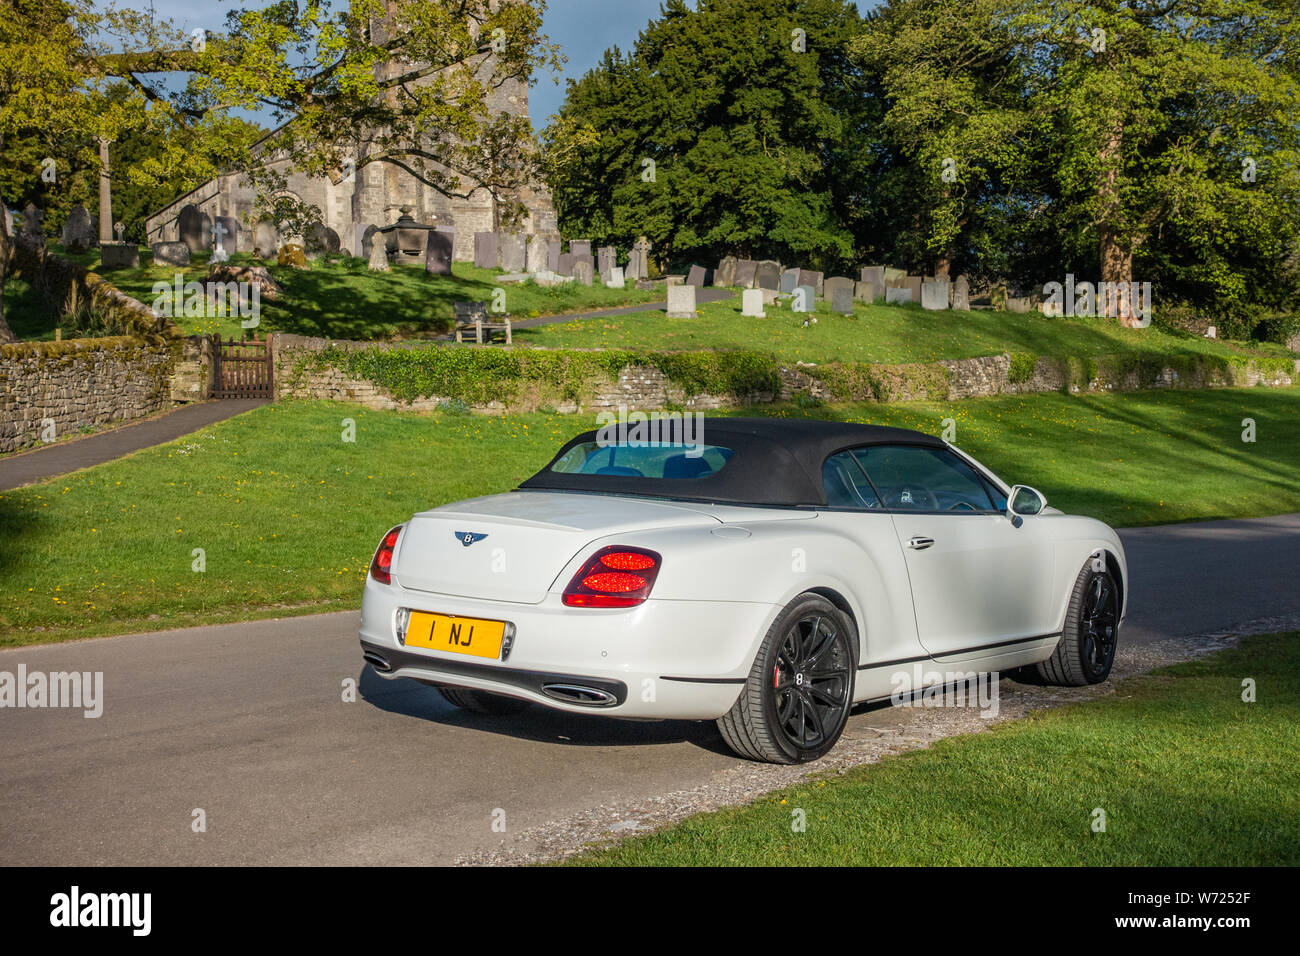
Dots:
{"x": 775, "y": 461}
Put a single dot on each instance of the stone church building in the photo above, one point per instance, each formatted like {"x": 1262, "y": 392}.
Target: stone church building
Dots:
{"x": 376, "y": 195}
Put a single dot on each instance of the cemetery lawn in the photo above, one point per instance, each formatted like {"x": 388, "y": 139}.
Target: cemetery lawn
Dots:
{"x": 288, "y": 515}
{"x": 1186, "y": 772}
{"x": 340, "y": 298}
{"x": 886, "y": 334}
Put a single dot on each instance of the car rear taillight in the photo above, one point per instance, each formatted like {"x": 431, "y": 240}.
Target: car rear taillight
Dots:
{"x": 615, "y": 576}
{"x": 379, "y": 567}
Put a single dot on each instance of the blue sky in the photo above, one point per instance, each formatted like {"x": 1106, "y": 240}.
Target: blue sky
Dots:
{"x": 585, "y": 29}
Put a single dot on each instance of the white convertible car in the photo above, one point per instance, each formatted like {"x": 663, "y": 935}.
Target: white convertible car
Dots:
{"x": 769, "y": 576}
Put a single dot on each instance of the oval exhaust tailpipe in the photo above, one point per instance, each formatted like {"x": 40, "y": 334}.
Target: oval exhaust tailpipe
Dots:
{"x": 377, "y": 661}
{"x": 577, "y": 694}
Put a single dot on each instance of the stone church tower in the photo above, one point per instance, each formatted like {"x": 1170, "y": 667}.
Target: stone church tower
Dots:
{"x": 377, "y": 193}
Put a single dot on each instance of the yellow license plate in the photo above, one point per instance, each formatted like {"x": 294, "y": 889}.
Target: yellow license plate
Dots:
{"x": 459, "y": 635}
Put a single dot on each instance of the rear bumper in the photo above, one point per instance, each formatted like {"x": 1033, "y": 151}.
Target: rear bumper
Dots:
{"x": 390, "y": 662}
{"x": 663, "y": 659}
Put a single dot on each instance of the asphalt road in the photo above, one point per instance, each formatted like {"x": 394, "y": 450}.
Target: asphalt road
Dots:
{"x": 247, "y": 723}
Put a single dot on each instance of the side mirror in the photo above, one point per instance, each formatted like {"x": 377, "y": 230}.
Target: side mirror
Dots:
{"x": 1024, "y": 501}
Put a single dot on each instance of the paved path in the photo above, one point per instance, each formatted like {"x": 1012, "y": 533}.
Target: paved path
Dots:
{"x": 73, "y": 454}
{"x": 247, "y": 722}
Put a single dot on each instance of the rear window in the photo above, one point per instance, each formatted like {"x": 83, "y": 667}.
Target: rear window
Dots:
{"x": 643, "y": 460}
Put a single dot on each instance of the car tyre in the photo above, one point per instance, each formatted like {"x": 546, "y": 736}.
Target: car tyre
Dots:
{"x": 481, "y": 701}
{"x": 1086, "y": 650}
{"x": 799, "y": 692}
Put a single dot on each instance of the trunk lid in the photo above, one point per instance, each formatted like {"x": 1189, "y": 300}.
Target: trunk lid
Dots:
{"x": 527, "y": 539}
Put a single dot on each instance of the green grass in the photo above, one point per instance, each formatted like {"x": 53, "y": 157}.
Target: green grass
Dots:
{"x": 341, "y": 299}
{"x": 879, "y": 334}
{"x": 288, "y": 514}
{"x": 1186, "y": 772}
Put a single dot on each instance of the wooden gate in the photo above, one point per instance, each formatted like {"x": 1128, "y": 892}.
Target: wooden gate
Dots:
{"x": 241, "y": 368}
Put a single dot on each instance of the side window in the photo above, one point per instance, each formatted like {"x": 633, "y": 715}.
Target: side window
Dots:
{"x": 845, "y": 483}
{"x": 920, "y": 478}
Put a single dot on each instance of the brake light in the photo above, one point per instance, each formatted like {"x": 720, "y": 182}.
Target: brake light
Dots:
{"x": 615, "y": 576}
{"x": 383, "y": 561}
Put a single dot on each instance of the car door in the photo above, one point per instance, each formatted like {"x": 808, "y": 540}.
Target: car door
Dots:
{"x": 977, "y": 578}
{"x": 878, "y": 573}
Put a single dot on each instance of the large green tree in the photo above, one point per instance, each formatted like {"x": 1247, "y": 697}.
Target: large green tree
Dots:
{"x": 404, "y": 83}
{"x": 1122, "y": 140}
{"x": 738, "y": 126}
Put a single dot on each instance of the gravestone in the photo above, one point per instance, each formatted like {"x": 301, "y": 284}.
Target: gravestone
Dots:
{"x": 725, "y": 273}
{"x": 1018, "y": 303}
{"x": 913, "y": 283}
{"x": 894, "y": 276}
{"x": 514, "y": 252}
{"x": 565, "y": 268}
{"x": 681, "y": 302}
{"x": 233, "y": 240}
{"x": 378, "y": 261}
{"x": 814, "y": 279}
{"x": 767, "y": 275}
{"x": 553, "y": 248}
{"x": 634, "y": 265}
{"x": 961, "y": 294}
{"x": 119, "y": 255}
{"x": 536, "y": 254}
{"x": 745, "y": 273}
{"x": 898, "y": 296}
{"x": 789, "y": 279}
{"x": 580, "y": 247}
{"x": 642, "y": 247}
{"x": 842, "y": 299}
{"x": 864, "y": 292}
{"x": 875, "y": 277}
{"x": 220, "y": 253}
{"x": 78, "y": 231}
{"x": 934, "y": 295}
{"x": 584, "y": 270}
{"x": 171, "y": 253}
{"x": 615, "y": 278}
{"x": 487, "y": 250}
{"x": 696, "y": 277}
{"x": 548, "y": 279}
{"x": 438, "y": 251}
{"x": 837, "y": 282}
{"x": 803, "y": 298}
{"x": 194, "y": 228}
{"x": 321, "y": 240}
{"x": 31, "y": 233}
{"x": 751, "y": 304}
{"x": 266, "y": 238}
{"x": 606, "y": 259}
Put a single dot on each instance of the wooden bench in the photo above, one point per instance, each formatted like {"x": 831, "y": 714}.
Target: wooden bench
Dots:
{"x": 473, "y": 316}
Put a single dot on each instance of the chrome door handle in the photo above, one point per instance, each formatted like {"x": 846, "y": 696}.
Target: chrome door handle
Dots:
{"x": 920, "y": 543}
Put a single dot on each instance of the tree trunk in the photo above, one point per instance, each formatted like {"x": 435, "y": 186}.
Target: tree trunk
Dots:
{"x": 6, "y": 258}
{"x": 105, "y": 195}
{"x": 1114, "y": 247}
